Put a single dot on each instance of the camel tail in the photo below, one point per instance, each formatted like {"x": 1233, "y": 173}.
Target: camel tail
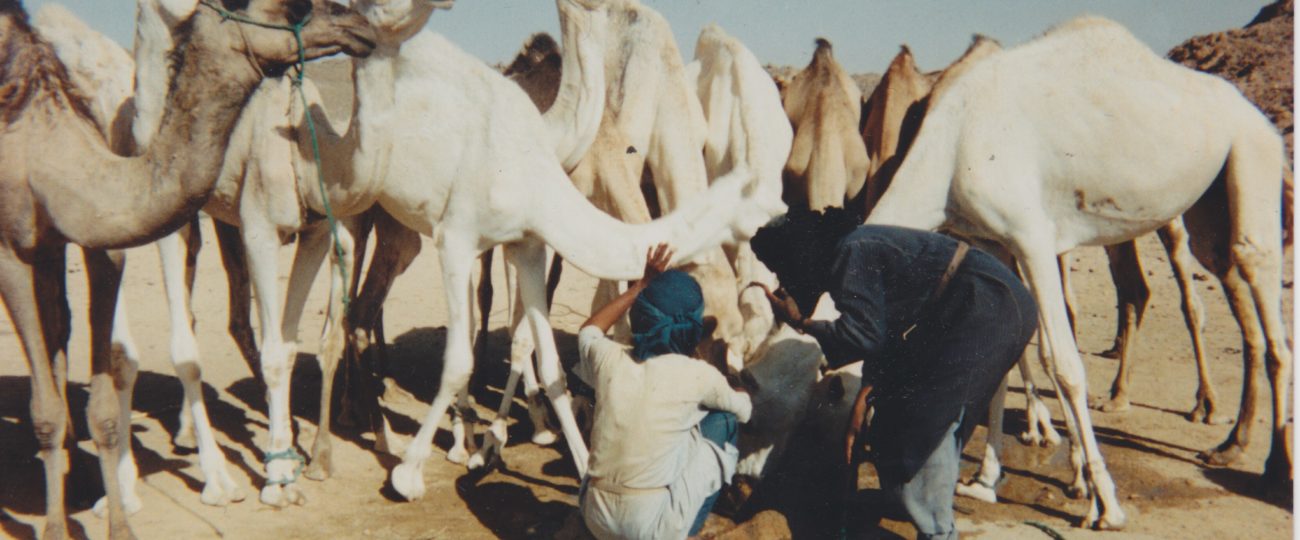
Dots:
{"x": 607, "y": 248}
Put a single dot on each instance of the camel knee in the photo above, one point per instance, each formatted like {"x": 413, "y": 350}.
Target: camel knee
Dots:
{"x": 190, "y": 373}
{"x": 1251, "y": 257}
{"x": 103, "y": 416}
{"x": 125, "y": 369}
{"x": 455, "y": 377}
{"x": 50, "y": 423}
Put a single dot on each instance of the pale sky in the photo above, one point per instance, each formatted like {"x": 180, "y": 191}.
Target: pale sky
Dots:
{"x": 866, "y": 33}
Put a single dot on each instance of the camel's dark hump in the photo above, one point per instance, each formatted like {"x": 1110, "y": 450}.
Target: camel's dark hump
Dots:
{"x": 30, "y": 70}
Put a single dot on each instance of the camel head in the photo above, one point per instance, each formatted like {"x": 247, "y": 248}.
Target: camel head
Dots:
{"x": 262, "y": 36}
{"x": 538, "y": 49}
{"x": 398, "y": 20}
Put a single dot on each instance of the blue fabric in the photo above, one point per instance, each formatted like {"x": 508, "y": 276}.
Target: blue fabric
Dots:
{"x": 721, "y": 428}
{"x": 926, "y": 494}
{"x": 668, "y": 316}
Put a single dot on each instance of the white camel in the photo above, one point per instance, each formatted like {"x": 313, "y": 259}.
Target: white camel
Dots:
{"x": 1105, "y": 159}
{"x": 747, "y": 130}
{"x": 482, "y": 172}
{"x": 358, "y": 166}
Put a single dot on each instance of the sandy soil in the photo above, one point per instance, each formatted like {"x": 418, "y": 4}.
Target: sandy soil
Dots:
{"x": 1150, "y": 450}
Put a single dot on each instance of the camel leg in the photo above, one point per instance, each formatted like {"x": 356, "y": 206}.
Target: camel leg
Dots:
{"x": 1175, "y": 239}
{"x": 395, "y": 248}
{"x": 123, "y": 344}
{"x": 484, "y": 302}
{"x": 314, "y": 243}
{"x": 983, "y": 485}
{"x": 1042, "y": 272}
{"x": 1252, "y": 283}
{"x": 112, "y": 378}
{"x": 521, "y": 367}
{"x": 1133, "y": 293}
{"x": 529, "y": 258}
{"x": 184, "y": 346}
{"x": 463, "y": 420}
{"x": 553, "y": 278}
{"x": 19, "y": 286}
{"x": 458, "y": 254}
{"x": 1039, "y": 430}
{"x": 283, "y": 463}
{"x": 1067, "y": 287}
{"x": 238, "y": 294}
{"x": 522, "y": 348}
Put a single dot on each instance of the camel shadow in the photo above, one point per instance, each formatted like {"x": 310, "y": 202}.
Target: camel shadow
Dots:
{"x": 1249, "y": 485}
{"x": 23, "y": 489}
{"x": 159, "y": 397}
{"x": 414, "y": 361}
{"x": 509, "y": 510}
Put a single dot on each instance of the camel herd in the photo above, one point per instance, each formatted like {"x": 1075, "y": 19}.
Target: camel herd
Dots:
{"x": 589, "y": 151}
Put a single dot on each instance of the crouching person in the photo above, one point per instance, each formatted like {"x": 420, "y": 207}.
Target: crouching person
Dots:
{"x": 938, "y": 326}
{"x": 663, "y": 439}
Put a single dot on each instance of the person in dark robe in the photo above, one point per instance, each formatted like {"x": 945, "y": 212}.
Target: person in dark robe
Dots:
{"x": 937, "y": 324}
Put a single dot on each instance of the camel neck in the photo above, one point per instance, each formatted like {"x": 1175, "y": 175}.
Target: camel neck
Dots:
{"x": 574, "y": 118}
{"x": 153, "y": 43}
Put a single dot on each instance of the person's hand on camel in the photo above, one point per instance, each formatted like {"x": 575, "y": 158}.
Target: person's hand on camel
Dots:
{"x": 656, "y": 262}
{"x": 784, "y": 308}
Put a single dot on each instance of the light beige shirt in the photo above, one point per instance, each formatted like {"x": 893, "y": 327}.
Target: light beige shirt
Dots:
{"x": 644, "y": 433}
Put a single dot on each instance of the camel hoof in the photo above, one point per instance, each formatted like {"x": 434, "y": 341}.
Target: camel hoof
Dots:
{"x": 977, "y": 491}
{"x": 1204, "y": 414}
{"x": 1110, "y": 521}
{"x": 185, "y": 439}
{"x": 1111, "y": 353}
{"x": 1223, "y": 456}
{"x": 458, "y": 455}
{"x": 217, "y": 494}
{"x": 1112, "y": 405}
{"x": 130, "y": 503}
{"x": 1076, "y": 492}
{"x": 320, "y": 468}
{"x": 545, "y": 438}
{"x": 408, "y": 480}
{"x": 281, "y": 496}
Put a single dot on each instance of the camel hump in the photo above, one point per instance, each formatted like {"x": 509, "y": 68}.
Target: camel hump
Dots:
{"x": 903, "y": 61}
{"x": 1085, "y": 23}
{"x": 823, "y": 49}
{"x": 30, "y": 70}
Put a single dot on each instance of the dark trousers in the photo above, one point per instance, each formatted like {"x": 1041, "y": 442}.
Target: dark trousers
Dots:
{"x": 721, "y": 428}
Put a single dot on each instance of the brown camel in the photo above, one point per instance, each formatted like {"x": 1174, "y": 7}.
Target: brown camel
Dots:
{"x": 828, "y": 162}
{"x": 890, "y": 114}
{"x": 79, "y": 191}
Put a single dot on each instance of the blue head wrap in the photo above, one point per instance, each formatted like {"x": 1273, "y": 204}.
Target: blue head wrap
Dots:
{"x": 667, "y": 316}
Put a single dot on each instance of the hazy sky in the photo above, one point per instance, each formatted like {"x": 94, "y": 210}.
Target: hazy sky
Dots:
{"x": 866, "y": 33}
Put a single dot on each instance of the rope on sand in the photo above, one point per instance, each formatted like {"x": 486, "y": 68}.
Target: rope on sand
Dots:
{"x": 1047, "y": 529}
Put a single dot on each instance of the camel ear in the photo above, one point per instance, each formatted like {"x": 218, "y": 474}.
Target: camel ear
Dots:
{"x": 836, "y": 390}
